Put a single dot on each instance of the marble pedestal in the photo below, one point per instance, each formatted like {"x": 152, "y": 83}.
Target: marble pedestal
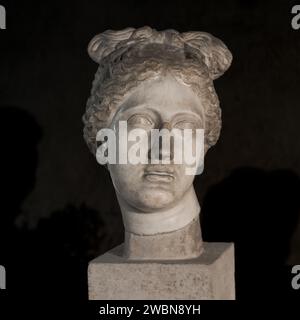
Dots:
{"x": 210, "y": 276}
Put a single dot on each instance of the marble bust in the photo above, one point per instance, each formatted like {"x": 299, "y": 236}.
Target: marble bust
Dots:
{"x": 156, "y": 79}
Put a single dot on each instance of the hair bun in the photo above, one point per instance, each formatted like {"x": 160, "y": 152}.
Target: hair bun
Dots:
{"x": 105, "y": 43}
{"x": 216, "y": 55}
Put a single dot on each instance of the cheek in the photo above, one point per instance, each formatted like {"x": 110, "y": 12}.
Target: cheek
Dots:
{"x": 184, "y": 182}
{"x": 125, "y": 177}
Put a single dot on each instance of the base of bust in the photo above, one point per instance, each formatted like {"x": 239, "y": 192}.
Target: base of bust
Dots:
{"x": 208, "y": 277}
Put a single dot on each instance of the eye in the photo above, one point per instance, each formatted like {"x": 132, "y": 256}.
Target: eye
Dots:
{"x": 185, "y": 124}
{"x": 140, "y": 120}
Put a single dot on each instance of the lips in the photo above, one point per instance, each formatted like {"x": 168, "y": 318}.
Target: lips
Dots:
{"x": 159, "y": 174}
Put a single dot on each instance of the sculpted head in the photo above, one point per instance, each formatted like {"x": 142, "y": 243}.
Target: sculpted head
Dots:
{"x": 154, "y": 80}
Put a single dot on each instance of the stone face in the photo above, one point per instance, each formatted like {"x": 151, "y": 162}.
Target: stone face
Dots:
{"x": 156, "y": 80}
{"x": 210, "y": 276}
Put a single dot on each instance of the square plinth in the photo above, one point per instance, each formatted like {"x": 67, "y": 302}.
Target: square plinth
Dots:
{"x": 208, "y": 277}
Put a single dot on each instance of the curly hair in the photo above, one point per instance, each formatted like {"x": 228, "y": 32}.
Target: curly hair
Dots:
{"x": 128, "y": 57}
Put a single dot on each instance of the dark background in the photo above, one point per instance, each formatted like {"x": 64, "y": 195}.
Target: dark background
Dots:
{"x": 58, "y": 209}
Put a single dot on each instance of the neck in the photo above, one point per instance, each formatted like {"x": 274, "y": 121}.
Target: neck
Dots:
{"x": 163, "y": 221}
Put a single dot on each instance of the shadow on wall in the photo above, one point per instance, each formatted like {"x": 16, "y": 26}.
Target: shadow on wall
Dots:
{"x": 52, "y": 259}
{"x": 258, "y": 211}
{"x": 19, "y": 136}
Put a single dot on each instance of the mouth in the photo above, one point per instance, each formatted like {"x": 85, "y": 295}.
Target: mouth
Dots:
{"x": 159, "y": 176}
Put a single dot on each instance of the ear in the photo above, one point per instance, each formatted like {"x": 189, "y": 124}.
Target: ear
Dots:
{"x": 105, "y": 43}
{"x": 216, "y": 55}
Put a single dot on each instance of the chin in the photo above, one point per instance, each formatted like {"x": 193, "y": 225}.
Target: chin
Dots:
{"x": 154, "y": 199}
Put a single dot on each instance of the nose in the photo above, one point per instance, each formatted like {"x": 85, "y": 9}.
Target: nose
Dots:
{"x": 162, "y": 144}
{"x": 166, "y": 125}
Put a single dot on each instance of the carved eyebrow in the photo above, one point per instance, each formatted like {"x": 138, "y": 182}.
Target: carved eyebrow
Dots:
{"x": 134, "y": 107}
{"x": 141, "y": 109}
{"x": 140, "y": 114}
{"x": 192, "y": 116}
{"x": 146, "y": 110}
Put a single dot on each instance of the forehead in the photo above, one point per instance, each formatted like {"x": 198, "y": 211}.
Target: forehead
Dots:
{"x": 166, "y": 96}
